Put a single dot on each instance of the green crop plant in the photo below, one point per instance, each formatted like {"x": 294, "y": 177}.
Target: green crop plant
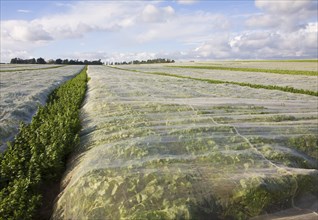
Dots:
{"x": 37, "y": 154}
{"x": 307, "y": 143}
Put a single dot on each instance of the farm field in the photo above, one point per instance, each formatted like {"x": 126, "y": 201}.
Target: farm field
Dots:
{"x": 163, "y": 147}
{"x": 304, "y": 65}
{"x": 22, "y": 91}
{"x": 23, "y": 67}
{"x": 305, "y": 82}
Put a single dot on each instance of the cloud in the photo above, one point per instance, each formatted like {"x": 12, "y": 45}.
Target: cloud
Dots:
{"x": 153, "y": 28}
{"x": 286, "y": 7}
{"x": 244, "y": 45}
{"x": 262, "y": 45}
{"x": 283, "y": 15}
{"x": 112, "y": 57}
{"x": 18, "y": 30}
{"x": 264, "y": 21}
{"x": 6, "y": 55}
{"x": 187, "y": 2}
{"x": 216, "y": 48}
{"x": 151, "y": 13}
{"x": 23, "y": 11}
{"x": 185, "y": 27}
{"x": 80, "y": 19}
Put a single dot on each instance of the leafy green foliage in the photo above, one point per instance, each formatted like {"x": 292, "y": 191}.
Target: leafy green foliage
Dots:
{"x": 38, "y": 152}
{"x": 257, "y": 194}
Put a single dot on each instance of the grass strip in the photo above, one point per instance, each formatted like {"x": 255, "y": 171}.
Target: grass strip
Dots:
{"x": 37, "y": 154}
{"x": 278, "y": 71}
{"x": 19, "y": 70}
{"x": 255, "y": 86}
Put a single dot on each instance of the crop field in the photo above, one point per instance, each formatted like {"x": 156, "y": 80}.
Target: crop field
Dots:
{"x": 22, "y": 90}
{"x": 24, "y": 67}
{"x": 302, "y": 65}
{"x": 305, "y": 82}
{"x": 159, "y": 143}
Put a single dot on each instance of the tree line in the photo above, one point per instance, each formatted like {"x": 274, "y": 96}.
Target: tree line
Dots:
{"x": 86, "y": 62}
{"x": 158, "y": 60}
{"x": 57, "y": 61}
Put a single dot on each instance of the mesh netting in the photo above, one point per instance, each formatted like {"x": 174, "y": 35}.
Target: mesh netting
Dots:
{"x": 22, "y": 91}
{"x": 296, "y": 81}
{"x": 157, "y": 147}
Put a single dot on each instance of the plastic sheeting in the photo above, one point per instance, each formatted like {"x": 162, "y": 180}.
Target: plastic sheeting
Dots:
{"x": 157, "y": 147}
{"x": 22, "y": 91}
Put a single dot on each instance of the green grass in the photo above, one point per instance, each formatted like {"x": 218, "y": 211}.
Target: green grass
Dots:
{"x": 278, "y": 71}
{"x": 212, "y": 81}
{"x": 37, "y": 154}
{"x": 18, "y": 70}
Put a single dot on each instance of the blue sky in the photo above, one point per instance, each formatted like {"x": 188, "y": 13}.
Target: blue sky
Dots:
{"x": 179, "y": 29}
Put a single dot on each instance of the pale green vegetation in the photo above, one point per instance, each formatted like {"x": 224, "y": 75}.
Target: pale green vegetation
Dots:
{"x": 157, "y": 147}
{"x": 155, "y": 143}
{"x": 22, "y": 92}
{"x": 29, "y": 69}
{"x": 256, "y": 86}
{"x": 277, "y": 71}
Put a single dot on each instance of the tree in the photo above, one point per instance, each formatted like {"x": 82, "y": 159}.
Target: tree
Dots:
{"x": 40, "y": 61}
{"x": 14, "y": 61}
{"x": 50, "y": 61}
{"x": 58, "y": 61}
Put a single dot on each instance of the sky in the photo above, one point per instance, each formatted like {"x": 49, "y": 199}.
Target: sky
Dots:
{"x": 177, "y": 29}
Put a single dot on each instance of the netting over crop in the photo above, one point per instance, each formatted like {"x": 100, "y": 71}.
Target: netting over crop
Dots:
{"x": 13, "y": 67}
{"x": 158, "y": 147}
{"x": 22, "y": 91}
{"x": 295, "y": 81}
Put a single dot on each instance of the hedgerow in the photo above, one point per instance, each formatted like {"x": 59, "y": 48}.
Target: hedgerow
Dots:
{"x": 38, "y": 152}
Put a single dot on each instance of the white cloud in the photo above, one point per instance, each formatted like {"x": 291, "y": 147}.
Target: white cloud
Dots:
{"x": 112, "y": 57}
{"x": 263, "y": 21}
{"x": 186, "y": 2}
{"x": 151, "y": 13}
{"x": 23, "y": 11}
{"x": 286, "y": 6}
{"x": 216, "y": 48}
{"x": 263, "y": 45}
{"x": 283, "y": 14}
{"x": 185, "y": 27}
{"x": 282, "y": 28}
{"x": 6, "y": 55}
{"x": 19, "y": 30}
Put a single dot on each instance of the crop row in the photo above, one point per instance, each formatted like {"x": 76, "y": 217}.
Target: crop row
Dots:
{"x": 251, "y": 85}
{"x": 278, "y": 71}
{"x": 27, "y": 69}
{"x": 147, "y": 155}
{"x": 37, "y": 154}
